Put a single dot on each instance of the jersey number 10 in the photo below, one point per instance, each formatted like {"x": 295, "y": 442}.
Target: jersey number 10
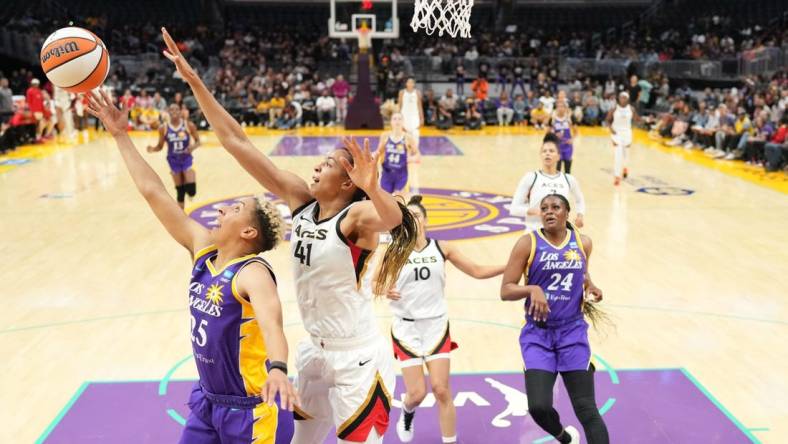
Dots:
{"x": 422, "y": 274}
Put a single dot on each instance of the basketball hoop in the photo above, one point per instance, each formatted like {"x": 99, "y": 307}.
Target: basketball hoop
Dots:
{"x": 449, "y": 16}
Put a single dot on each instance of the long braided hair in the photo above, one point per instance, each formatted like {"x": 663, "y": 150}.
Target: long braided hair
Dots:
{"x": 403, "y": 241}
{"x": 590, "y": 310}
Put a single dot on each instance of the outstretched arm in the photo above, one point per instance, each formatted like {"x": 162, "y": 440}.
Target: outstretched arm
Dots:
{"x": 291, "y": 188}
{"x": 256, "y": 283}
{"x": 468, "y": 266}
{"x": 196, "y": 143}
{"x": 160, "y": 144}
{"x": 183, "y": 229}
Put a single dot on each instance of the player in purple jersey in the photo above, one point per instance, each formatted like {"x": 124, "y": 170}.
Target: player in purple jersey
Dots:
{"x": 237, "y": 336}
{"x": 345, "y": 371}
{"x": 397, "y": 151}
{"x": 561, "y": 126}
{"x": 558, "y": 292}
{"x": 182, "y": 139}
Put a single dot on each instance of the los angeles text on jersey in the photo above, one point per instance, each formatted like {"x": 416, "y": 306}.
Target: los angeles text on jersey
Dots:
{"x": 549, "y": 261}
{"x": 203, "y": 305}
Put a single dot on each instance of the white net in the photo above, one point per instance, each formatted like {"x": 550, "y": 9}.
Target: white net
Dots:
{"x": 449, "y": 16}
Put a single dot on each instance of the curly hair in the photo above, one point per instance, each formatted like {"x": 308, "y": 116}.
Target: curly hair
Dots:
{"x": 270, "y": 225}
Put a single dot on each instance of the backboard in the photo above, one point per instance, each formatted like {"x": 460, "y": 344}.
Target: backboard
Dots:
{"x": 347, "y": 16}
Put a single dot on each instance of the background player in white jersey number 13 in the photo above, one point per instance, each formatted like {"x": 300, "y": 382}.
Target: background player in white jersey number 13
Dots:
{"x": 182, "y": 139}
{"x": 420, "y": 331}
{"x": 619, "y": 120}
{"x": 345, "y": 369}
{"x": 236, "y": 316}
{"x": 398, "y": 151}
{"x": 548, "y": 180}
{"x": 410, "y": 106}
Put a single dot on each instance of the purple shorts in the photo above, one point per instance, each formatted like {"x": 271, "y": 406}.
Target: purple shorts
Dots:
{"x": 179, "y": 164}
{"x": 227, "y": 422}
{"x": 566, "y": 151}
{"x": 394, "y": 180}
{"x": 560, "y": 349}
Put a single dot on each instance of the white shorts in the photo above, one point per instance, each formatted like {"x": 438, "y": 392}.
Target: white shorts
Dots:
{"x": 347, "y": 383}
{"x": 622, "y": 139}
{"x": 422, "y": 340}
{"x": 412, "y": 129}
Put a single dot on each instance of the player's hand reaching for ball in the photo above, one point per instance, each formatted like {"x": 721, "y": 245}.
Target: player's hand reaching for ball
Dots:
{"x": 364, "y": 170}
{"x": 278, "y": 382}
{"x": 174, "y": 55}
{"x": 101, "y": 107}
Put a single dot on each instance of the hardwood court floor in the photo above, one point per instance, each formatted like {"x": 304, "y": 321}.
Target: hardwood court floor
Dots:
{"x": 94, "y": 289}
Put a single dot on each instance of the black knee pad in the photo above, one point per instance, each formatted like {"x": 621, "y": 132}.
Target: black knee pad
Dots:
{"x": 181, "y": 191}
{"x": 190, "y": 188}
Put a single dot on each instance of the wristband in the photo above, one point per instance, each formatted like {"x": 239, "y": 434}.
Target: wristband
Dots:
{"x": 279, "y": 365}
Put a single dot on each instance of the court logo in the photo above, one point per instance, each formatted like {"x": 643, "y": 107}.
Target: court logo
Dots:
{"x": 452, "y": 214}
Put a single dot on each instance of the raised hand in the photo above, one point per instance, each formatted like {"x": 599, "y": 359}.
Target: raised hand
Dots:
{"x": 364, "y": 170}
{"x": 101, "y": 107}
{"x": 174, "y": 55}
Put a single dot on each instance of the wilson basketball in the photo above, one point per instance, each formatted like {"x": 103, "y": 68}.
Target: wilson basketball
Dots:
{"x": 75, "y": 59}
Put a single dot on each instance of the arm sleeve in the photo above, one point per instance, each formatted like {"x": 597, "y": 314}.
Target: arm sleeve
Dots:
{"x": 519, "y": 205}
{"x": 577, "y": 193}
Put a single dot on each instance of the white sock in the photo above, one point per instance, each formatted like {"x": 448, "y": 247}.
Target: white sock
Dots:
{"x": 449, "y": 439}
{"x": 406, "y": 409}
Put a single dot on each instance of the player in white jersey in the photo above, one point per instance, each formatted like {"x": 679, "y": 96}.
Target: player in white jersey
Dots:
{"x": 420, "y": 330}
{"x": 619, "y": 120}
{"x": 410, "y": 106}
{"x": 345, "y": 372}
{"x": 535, "y": 185}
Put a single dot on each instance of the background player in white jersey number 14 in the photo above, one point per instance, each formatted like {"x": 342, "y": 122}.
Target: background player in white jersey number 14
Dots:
{"x": 535, "y": 185}
{"x": 398, "y": 153}
{"x": 620, "y": 122}
{"x": 420, "y": 330}
{"x": 182, "y": 139}
{"x": 410, "y": 105}
{"x": 345, "y": 370}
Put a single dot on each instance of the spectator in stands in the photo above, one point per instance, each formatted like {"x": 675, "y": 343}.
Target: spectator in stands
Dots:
{"x": 480, "y": 88}
{"x": 473, "y": 118}
{"x": 6, "y": 101}
{"x": 705, "y": 136}
{"x": 754, "y": 151}
{"x": 734, "y": 143}
{"x": 539, "y": 116}
{"x": 159, "y": 103}
{"x": 309, "y": 108}
{"x": 276, "y": 107}
{"x": 430, "y": 107}
{"x": 504, "y": 110}
{"x": 262, "y": 109}
{"x": 548, "y": 101}
{"x": 326, "y": 109}
{"x": 634, "y": 90}
{"x": 726, "y": 129}
{"x": 520, "y": 107}
{"x": 149, "y": 117}
{"x": 775, "y": 149}
{"x": 340, "y": 89}
{"x": 446, "y": 107}
{"x": 34, "y": 98}
{"x": 459, "y": 78}
{"x": 591, "y": 111}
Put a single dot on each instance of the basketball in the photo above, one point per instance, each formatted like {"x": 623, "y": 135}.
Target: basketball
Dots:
{"x": 75, "y": 59}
